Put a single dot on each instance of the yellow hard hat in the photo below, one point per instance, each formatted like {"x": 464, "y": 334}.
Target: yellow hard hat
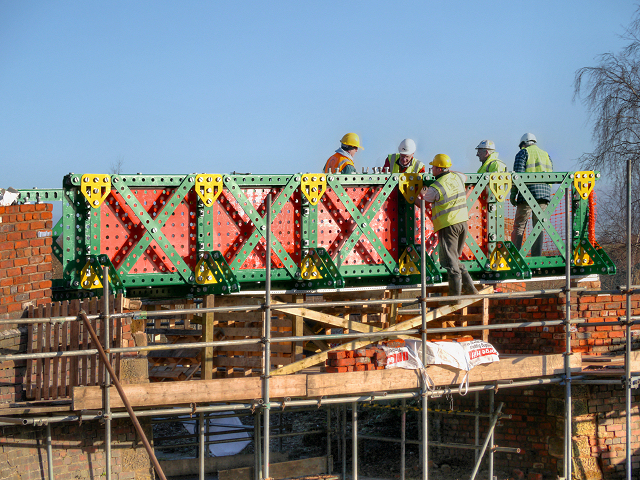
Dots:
{"x": 351, "y": 139}
{"x": 441, "y": 160}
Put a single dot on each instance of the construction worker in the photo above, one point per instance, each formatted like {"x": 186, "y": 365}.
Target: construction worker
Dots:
{"x": 342, "y": 160}
{"x": 486, "y": 152}
{"x": 403, "y": 161}
{"x": 449, "y": 215}
{"x": 530, "y": 158}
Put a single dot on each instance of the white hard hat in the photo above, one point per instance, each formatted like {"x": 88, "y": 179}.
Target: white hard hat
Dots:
{"x": 528, "y": 137}
{"x": 488, "y": 144}
{"x": 407, "y": 147}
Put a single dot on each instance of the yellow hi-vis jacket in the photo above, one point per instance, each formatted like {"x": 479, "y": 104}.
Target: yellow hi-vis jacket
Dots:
{"x": 452, "y": 206}
{"x": 538, "y": 160}
{"x": 492, "y": 164}
{"x": 337, "y": 161}
{"x": 414, "y": 167}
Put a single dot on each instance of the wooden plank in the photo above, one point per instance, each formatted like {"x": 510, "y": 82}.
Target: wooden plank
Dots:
{"x": 85, "y": 346}
{"x": 55, "y": 382}
{"x": 116, "y": 337}
{"x": 39, "y": 363}
{"x": 217, "y": 390}
{"x": 64, "y": 390}
{"x": 278, "y": 471}
{"x": 511, "y": 367}
{"x": 206, "y": 358}
{"x": 93, "y": 359}
{"x": 46, "y": 378}
{"x": 30, "y": 363}
{"x": 74, "y": 341}
{"x": 355, "y": 344}
{"x": 485, "y": 318}
{"x": 327, "y": 319}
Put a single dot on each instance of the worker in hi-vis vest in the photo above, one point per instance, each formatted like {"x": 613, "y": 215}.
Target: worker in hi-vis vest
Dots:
{"x": 342, "y": 160}
{"x": 403, "y": 161}
{"x": 449, "y": 216}
{"x": 486, "y": 153}
{"x": 530, "y": 158}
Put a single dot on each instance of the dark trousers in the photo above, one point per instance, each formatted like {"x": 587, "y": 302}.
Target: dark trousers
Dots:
{"x": 450, "y": 245}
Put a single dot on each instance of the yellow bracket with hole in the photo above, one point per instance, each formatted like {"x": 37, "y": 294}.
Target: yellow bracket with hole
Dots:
{"x": 309, "y": 269}
{"x": 498, "y": 259}
{"x": 205, "y": 272}
{"x": 208, "y": 188}
{"x": 408, "y": 261}
{"x": 500, "y": 185}
{"x": 90, "y": 278}
{"x": 410, "y": 185}
{"x": 584, "y": 183}
{"x": 313, "y": 186}
{"x": 581, "y": 257}
{"x": 95, "y": 188}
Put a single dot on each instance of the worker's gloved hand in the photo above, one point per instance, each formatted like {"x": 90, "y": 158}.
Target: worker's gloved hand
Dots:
{"x": 512, "y": 199}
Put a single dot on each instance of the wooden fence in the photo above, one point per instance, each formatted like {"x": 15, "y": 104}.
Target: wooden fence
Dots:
{"x": 54, "y": 378}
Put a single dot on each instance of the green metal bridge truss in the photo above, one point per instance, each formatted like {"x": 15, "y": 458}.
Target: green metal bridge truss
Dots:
{"x": 198, "y": 234}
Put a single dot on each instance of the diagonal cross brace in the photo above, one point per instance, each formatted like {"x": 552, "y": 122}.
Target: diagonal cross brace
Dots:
{"x": 543, "y": 216}
{"x": 153, "y": 226}
{"x": 260, "y": 224}
{"x": 363, "y": 226}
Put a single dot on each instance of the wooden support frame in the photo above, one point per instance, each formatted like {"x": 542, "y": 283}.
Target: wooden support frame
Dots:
{"x": 359, "y": 327}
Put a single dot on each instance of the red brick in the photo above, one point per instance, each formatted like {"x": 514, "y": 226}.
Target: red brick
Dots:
{"x": 342, "y": 362}
{"x": 360, "y": 367}
{"x": 6, "y": 246}
{"x": 336, "y": 355}
{"x": 365, "y": 352}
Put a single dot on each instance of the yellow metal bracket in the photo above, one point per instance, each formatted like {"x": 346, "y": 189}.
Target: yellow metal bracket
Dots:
{"x": 308, "y": 268}
{"x": 95, "y": 188}
{"x": 313, "y": 187}
{"x": 581, "y": 257}
{"x": 584, "y": 183}
{"x": 408, "y": 260}
{"x": 500, "y": 185}
{"x": 208, "y": 188}
{"x": 499, "y": 259}
{"x": 90, "y": 278}
{"x": 205, "y": 271}
{"x": 410, "y": 185}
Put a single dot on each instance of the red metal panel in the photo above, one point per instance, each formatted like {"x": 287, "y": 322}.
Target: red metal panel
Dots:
{"x": 122, "y": 229}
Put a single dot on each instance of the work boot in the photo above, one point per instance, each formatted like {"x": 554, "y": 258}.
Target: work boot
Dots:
{"x": 468, "y": 288}
{"x": 455, "y": 289}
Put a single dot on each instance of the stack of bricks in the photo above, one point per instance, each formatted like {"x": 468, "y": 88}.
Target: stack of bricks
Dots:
{"x": 25, "y": 258}
{"x": 359, "y": 360}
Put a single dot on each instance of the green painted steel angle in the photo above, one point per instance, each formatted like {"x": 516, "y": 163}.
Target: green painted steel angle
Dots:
{"x": 260, "y": 224}
{"x": 56, "y": 231}
{"x": 602, "y": 264}
{"x": 363, "y": 226}
{"x": 478, "y": 189}
{"x": 153, "y": 227}
{"x": 115, "y": 283}
{"x": 38, "y": 195}
{"x": 329, "y": 275}
{"x": 224, "y": 281}
{"x": 544, "y": 216}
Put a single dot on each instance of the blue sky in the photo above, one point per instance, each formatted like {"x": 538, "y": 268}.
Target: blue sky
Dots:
{"x": 271, "y": 87}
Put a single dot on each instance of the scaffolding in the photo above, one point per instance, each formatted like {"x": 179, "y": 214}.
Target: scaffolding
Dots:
{"x": 267, "y": 404}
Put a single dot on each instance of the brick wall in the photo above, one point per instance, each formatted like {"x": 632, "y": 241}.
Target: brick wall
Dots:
{"x": 536, "y": 426}
{"x": 25, "y": 258}
{"x": 78, "y": 452}
{"x": 595, "y": 340}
